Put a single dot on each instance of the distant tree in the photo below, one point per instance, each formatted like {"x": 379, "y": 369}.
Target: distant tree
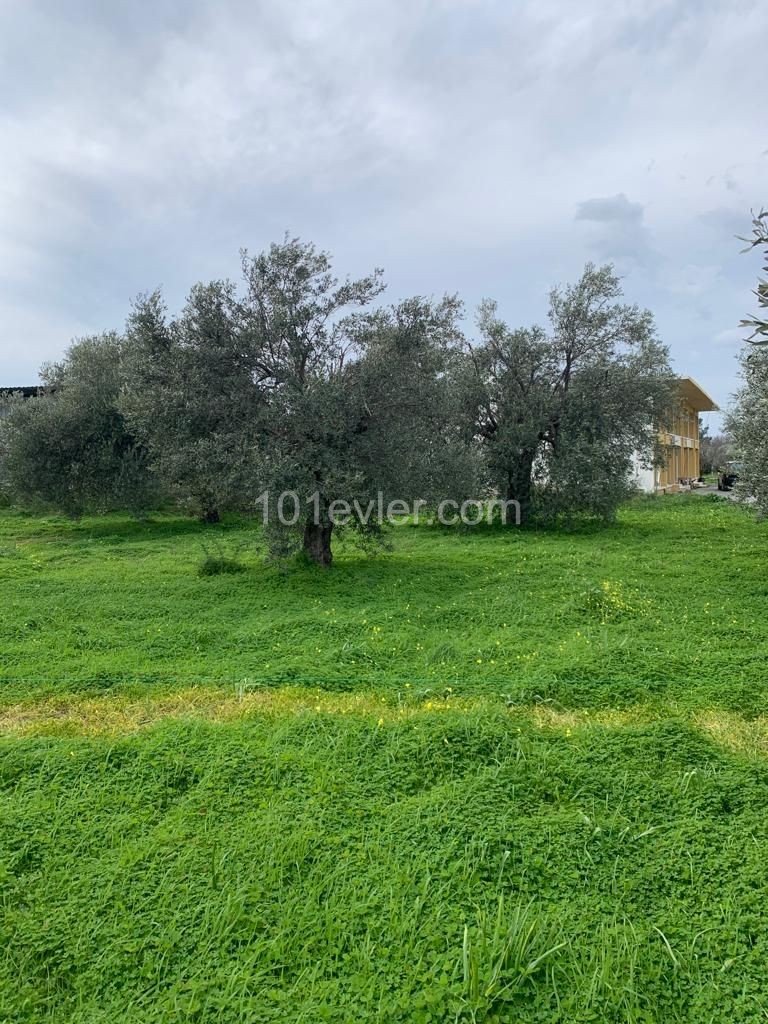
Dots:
{"x": 70, "y": 448}
{"x": 713, "y": 450}
{"x": 569, "y": 408}
{"x": 747, "y": 421}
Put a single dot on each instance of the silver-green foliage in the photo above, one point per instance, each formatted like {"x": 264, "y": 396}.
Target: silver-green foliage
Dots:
{"x": 191, "y": 395}
{"x": 714, "y": 449}
{"x": 748, "y": 419}
{"x": 562, "y": 412}
{"x": 759, "y": 240}
{"x": 69, "y": 447}
{"x": 290, "y": 385}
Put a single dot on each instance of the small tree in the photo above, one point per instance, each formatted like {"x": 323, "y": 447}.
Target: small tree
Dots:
{"x": 572, "y": 407}
{"x": 69, "y": 448}
{"x": 508, "y": 382}
{"x": 714, "y": 450}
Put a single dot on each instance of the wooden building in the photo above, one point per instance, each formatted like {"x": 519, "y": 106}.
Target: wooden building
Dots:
{"x": 680, "y": 441}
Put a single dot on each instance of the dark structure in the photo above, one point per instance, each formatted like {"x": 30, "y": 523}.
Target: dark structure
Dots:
{"x": 28, "y": 392}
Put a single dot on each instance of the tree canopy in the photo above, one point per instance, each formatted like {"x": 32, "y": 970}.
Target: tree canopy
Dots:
{"x": 569, "y": 407}
{"x": 291, "y": 387}
{"x": 69, "y": 447}
{"x": 302, "y": 397}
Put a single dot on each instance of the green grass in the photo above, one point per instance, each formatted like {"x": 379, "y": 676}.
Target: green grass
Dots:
{"x": 492, "y": 777}
{"x": 115, "y": 604}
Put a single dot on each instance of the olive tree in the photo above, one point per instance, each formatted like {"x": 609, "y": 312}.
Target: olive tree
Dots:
{"x": 747, "y": 420}
{"x": 192, "y": 395}
{"x": 759, "y": 240}
{"x": 290, "y": 395}
{"x": 358, "y": 406}
{"x": 69, "y": 447}
{"x": 561, "y": 413}
{"x": 747, "y": 423}
{"x": 413, "y": 436}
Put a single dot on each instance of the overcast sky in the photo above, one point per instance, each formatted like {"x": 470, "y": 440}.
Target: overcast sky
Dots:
{"x": 486, "y": 148}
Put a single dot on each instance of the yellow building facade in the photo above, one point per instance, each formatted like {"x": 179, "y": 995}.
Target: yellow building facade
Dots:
{"x": 680, "y": 440}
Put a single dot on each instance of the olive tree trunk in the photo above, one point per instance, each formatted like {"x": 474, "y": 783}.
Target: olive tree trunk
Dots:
{"x": 520, "y": 483}
{"x": 317, "y": 543}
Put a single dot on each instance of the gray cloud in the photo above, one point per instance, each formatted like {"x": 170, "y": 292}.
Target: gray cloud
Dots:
{"x": 614, "y": 209}
{"x": 620, "y": 236}
{"x": 450, "y": 140}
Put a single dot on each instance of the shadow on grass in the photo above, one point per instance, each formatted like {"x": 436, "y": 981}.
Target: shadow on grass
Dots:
{"x": 119, "y": 528}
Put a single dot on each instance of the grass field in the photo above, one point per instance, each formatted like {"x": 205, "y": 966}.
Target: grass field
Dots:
{"x": 492, "y": 776}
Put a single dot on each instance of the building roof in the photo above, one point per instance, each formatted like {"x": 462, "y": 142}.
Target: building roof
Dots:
{"x": 696, "y": 396}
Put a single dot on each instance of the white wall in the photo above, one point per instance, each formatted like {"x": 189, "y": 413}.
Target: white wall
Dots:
{"x": 643, "y": 478}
